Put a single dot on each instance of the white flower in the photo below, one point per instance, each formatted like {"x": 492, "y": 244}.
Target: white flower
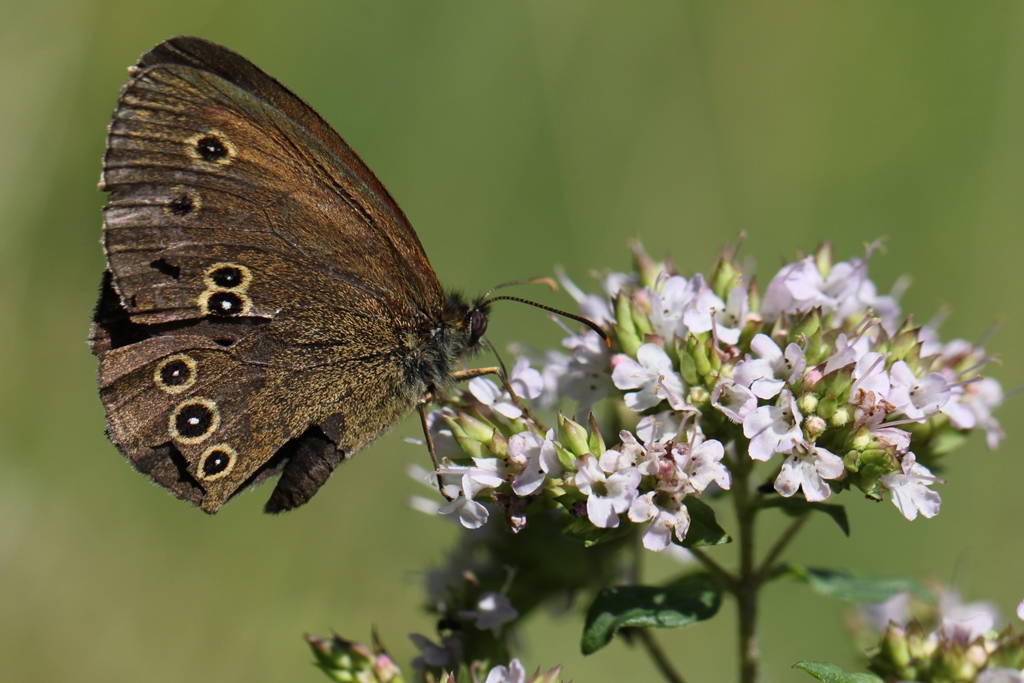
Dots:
{"x": 515, "y": 673}
{"x": 847, "y": 352}
{"x": 473, "y": 480}
{"x": 609, "y": 493}
{"x": 703, "y": 307}
{"x": 734, "y": 400}
{"x": 963, "y": 623}
{"x": 909, "y": 488}
{"x": 1020, "y": 610}
{"x": 536, "y": 458}
{"x": 896, "y": 610}
{"x": 917, "y": 398}
{"x": 1000, "y": 675}
{"x": 981, "y": 398}
{"x": 526, "y": 383}
{"x": 652, "y": 374}
{"x": 667, "y": 515}
{"x": 669, "y": 305}
{"x": 729, "y": 321}
{"x": 701, "y": 461}
{"x": 869, "y": 374}
{"x": 492, "y": 611}
{"x": 582, "y": 375}
{"x": 658, "y": 428}
{"x": 808, "y": 469}
{"x": 773, "y": 429}
{"x": 768, "y": 374}
{"x": 594, "y": 306}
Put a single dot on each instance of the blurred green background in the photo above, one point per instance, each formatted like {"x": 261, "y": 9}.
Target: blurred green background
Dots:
{"x": 516, "y": 136}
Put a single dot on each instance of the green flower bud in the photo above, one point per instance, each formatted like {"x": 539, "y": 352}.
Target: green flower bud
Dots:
{"x": 572, "y": 435}
{"x": 700, "y": 357}
{"x": 824, "y": 258}
{"x": 476, "y": 429}
{"x": 640, "y": 315}
{"x": 826, "y": 407}
{"x": 725, "y": 276}
{"x": 625, "y": 328}
{"x": 595, "y": 441}
{"x": 499, "y": 444}
{"x": 687, "y": 365}
{"x": 350, "y": 662}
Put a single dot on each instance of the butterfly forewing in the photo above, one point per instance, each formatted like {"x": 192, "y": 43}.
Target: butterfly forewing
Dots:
{"x": 263, "y": 289}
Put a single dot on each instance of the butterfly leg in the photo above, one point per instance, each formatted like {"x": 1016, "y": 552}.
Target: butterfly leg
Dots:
{"x": 430, "y": 444}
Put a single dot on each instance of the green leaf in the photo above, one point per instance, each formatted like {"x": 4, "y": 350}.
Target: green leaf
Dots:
{"x": 794, "y": 507}
{"x": 846, "y": 586}
{"x": 692, "y": 599}
{"x": 704, "y": 529}
{"x": 830, "y": 673}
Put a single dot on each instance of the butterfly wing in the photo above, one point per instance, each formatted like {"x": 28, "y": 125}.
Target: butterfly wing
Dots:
{"x": 262, "y": 284}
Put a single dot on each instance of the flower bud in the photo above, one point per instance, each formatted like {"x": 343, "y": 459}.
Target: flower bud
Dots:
{"x": 572, "y": 435}
{"x": 625, "y": 328}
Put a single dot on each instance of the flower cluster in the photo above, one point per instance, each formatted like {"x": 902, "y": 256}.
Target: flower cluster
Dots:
{"x": 820, "y": 378}
{"x": 948, "y": 641}
{"x": 351, "y": 662}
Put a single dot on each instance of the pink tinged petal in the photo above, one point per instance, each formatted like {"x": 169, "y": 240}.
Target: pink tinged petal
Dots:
{"x": 493, "y": 610}
{"x": 614, "y": 460}
{"x": 526, "y": 381}
{"x": 698, "y": 316}
{"x": 794, "y": 363}
{"x": 766, "y": 348}
{"x": 601, "y": 512}
{"x": 484, "y": 390}
{"x": 681, "y": 522}
{"x": 587, "y": 474}
{"x": 472, "y": 514}
{"x": 734, "y": 400}
{"x": 767, "y": 388}
{"x": 869, "y": 375}
{"x": 909, "y": 489}
{"x": 622, "y": 488}
{"x": 658, "y": 428}
{"x": 507, "y": 408}
{"x": 773, "y": 429}
{"x": 658, "y": 534}
{"x": 829, "y": 465}
{"x": 628, "y": 374}
{"x": 748, "y": 371}
{"x": 1020, "y": 610}
{"x": 654, "y": 358}
{"x": 643, "y": 508}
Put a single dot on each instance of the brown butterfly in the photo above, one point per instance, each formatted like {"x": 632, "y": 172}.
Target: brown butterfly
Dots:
{"x": 267, "y": 308}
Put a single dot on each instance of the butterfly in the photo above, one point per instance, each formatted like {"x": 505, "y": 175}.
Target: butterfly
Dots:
{"x": 267, "y": 309}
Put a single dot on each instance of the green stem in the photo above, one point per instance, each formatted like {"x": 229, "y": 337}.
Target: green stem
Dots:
{"x": 727, "y": 579}
{"x": 780, "y": 545}
{"x": 748, "y": 581}
{"x": 658, "y": 655}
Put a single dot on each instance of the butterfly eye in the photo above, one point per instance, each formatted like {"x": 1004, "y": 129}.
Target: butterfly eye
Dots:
{"x": 194, "y": 420}
{"x": 216, "y": 462}
{"x": 477, "y": 326}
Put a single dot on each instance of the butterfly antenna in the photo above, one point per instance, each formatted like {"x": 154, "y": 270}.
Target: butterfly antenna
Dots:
{"x": 501, "y": 363}
{"x": 565, "y": 314}
{"x": 530, "y": 281}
